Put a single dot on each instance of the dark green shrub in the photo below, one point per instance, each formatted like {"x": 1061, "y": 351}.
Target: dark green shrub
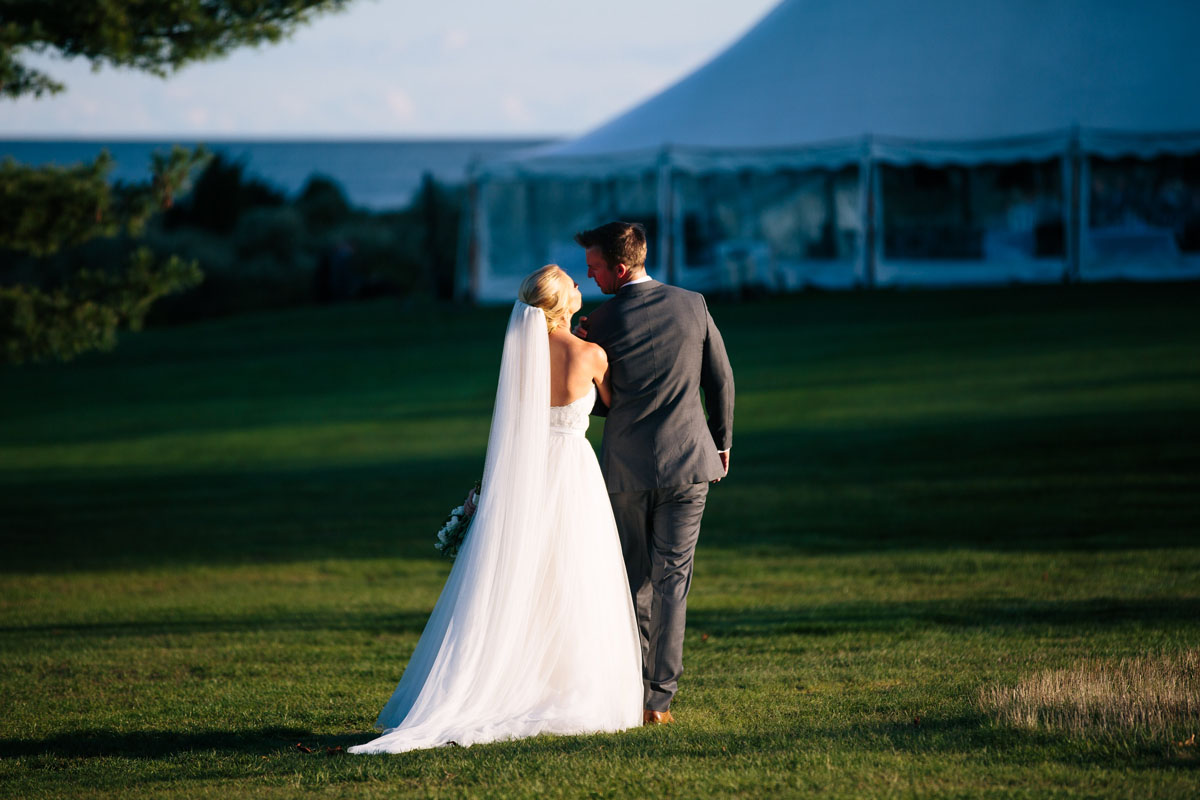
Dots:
{"x": 220, "y": 196}
{"x": 322, "y": 203}
{"x": 275, "y": 234}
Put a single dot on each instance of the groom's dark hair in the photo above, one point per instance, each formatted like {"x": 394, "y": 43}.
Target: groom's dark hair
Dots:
{"x": 619, "y": 243}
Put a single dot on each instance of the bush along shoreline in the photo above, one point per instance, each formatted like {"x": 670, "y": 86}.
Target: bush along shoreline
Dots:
{"x": 259, "y": 248}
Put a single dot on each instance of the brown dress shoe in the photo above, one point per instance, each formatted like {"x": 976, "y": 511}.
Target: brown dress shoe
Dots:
{"x": 657, "y": 717}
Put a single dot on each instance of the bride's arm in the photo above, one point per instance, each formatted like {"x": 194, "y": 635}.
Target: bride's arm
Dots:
{"x": 602, "y": 377}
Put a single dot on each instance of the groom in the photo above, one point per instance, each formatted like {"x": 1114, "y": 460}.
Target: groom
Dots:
{"x": 659, "y": 453}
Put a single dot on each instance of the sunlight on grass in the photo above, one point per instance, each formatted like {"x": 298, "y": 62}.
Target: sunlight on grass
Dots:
{"x": 285, "y": 446}
{"x": 1158, "y": 696}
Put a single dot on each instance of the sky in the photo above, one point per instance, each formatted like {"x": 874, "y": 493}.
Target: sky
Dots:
{"x": 386, "y": 68}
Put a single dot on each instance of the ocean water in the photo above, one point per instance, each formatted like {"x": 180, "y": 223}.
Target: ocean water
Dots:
{"x": 376, "y": 174}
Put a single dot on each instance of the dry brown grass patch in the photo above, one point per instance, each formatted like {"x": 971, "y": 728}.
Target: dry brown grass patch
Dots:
{"x": 1150, "y": 695}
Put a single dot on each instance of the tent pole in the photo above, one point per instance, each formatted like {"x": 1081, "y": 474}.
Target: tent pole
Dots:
{"x": 1083, "y": 219}
{"x": 666, "y": 217}
{"x": 877, "y": 217}
{"x": 1073, "y": 213}
{"x": 468, "y": 244}
{"x": 867, "y": 201}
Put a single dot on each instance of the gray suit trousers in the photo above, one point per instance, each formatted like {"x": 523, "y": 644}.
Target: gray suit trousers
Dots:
{"x": 659, "y": 529}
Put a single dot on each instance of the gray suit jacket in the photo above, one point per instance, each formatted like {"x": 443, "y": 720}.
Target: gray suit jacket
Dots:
{"x": 662, "y": 347}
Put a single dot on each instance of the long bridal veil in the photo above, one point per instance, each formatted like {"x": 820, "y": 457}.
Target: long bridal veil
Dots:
{"x": 474, "y": 674}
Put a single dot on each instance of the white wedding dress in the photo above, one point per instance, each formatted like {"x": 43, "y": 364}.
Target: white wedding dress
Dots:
{"x": 534, "y": 631}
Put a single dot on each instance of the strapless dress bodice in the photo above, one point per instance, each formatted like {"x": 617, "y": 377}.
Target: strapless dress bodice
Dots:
{"x": 572, "y": 419}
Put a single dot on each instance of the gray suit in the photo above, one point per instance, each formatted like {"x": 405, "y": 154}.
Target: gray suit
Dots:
{"x": 659, "y": 453}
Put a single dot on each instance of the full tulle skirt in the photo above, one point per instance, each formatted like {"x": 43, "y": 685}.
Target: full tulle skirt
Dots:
{"x": 534, "y": 631}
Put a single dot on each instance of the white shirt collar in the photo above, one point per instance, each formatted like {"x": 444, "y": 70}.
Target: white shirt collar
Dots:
{"x": 642, "y": 279}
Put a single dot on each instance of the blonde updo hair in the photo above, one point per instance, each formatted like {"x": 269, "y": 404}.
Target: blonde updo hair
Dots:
{"x": 546, "y": 289}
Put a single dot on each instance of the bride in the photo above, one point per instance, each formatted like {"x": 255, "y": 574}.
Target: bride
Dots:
{"x": 534, "y": 631}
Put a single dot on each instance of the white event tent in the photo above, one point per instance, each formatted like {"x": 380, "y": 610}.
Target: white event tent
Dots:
{"x": 844, "y": 143}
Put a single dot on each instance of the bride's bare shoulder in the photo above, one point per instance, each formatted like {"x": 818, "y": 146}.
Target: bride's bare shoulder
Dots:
{"x": 580, "y": 349}
{"x": 592, "y": 352}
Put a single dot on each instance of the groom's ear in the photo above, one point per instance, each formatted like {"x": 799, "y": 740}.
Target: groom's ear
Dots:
{"x": 621, "y": 270}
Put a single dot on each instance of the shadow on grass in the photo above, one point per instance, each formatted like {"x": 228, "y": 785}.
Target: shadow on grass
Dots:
{"x": 1023, "y": 419}
{"x": 833, "y": 619}
{"x": 408, "y": 622}
{"x": 962, "y": 734}
{"x": 824, "y": 620}
{"x": 159, "y": 744}
{"x": 96, "y": 743}
{"x": 246, "y": 517}
{"x": 1106, "y": 482}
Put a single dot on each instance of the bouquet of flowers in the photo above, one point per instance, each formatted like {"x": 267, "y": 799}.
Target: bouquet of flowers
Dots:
{"x": 454, "y": 532}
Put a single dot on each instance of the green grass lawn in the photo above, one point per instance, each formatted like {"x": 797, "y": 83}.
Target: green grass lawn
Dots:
{"x": 218, "y": 542}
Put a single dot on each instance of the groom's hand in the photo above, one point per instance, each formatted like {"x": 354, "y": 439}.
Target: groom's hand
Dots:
{"x": 724, "y": 455}
{"x": 581, "y": 328}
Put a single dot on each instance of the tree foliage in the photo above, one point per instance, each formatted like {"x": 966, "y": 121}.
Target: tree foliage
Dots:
{"x": 50, "y": 207}
{"x": 85, "y": 312}
{"x": 45, "y": 210}
{"x": 148, "y": 35}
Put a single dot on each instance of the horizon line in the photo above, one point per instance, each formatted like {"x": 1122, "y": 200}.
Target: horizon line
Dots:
{"x": 327, "y": 137}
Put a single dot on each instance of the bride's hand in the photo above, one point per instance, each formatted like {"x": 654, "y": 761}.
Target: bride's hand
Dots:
{"x": 581, "y": 328}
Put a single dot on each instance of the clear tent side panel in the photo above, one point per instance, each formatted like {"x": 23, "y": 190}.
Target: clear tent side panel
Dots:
{"x": 1005, "y": 218}
{"x": 986, "y": 223}
{"x": 532, "y": 221}
{"x": 1142, "y": 217}
{"x": 778, "y": 229}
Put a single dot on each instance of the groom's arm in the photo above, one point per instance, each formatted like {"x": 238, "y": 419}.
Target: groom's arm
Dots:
{"x": 716, "y": 378}
{"x": 599, "y": 409}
